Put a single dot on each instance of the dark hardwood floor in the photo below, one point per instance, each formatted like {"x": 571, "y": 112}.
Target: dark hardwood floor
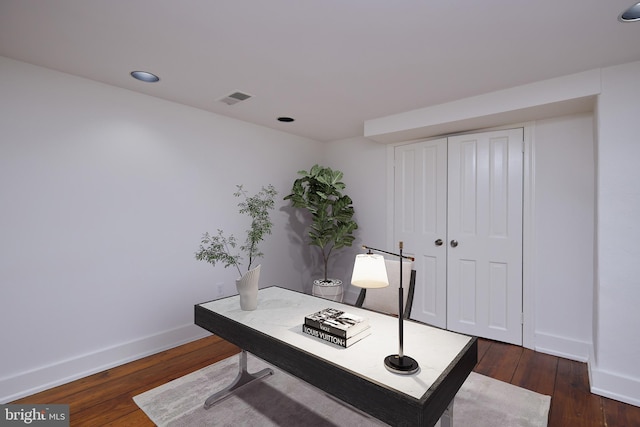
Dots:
{"x": 105, "y": 398}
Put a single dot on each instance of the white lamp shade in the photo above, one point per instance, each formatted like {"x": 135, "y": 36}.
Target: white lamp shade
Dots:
{"x": 369, "y": 271}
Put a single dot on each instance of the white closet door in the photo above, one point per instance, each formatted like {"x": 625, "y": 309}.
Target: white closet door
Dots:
{"x": 484, "y": 260}
{"x": 420, "y": 208}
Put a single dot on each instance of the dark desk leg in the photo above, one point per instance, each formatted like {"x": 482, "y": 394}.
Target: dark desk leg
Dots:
{"x": 241, "y": 380}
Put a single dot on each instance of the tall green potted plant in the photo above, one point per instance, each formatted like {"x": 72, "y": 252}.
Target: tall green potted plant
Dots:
{"x": 320, "y": 192}
{"x": 216, "y": 248}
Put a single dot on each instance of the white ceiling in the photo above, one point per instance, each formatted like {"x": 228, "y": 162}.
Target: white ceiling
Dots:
{"x": 330, "y": 64}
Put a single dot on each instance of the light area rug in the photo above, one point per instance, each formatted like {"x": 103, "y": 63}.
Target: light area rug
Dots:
{"x": 283, "y": 400}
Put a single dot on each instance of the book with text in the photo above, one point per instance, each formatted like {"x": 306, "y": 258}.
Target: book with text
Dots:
{"x": 333, "y": 339}
{"x": 337, "y": 322}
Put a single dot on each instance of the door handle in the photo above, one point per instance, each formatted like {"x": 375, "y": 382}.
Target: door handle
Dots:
{"x": 439, "y": 242}
{"x": 454, "y": 243}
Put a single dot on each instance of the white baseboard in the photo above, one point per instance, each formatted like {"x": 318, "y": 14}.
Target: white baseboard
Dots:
{"x": 603, "y": 383}
{"x": 562, "y": 347}
{"x": 45, "y": 377}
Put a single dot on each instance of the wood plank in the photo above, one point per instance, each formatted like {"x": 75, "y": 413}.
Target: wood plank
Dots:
{"x": 572, "y": 403}
{"x": 107, "y": 396}
{"x": 536, "y": 372}
{"x": 620, "y": 414}
{"x": 500, "y": 361}
{"x": 60, "y": 393}
{"x": 107, "y": 412}
{"x": 115, "y": 399}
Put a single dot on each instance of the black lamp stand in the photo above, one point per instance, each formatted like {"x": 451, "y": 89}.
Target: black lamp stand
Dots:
{"x": 399, "y": 363}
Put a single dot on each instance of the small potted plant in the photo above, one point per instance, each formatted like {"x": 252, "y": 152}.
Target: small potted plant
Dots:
{"x": 216, "y": 248}
{"x": 319, "y": 191}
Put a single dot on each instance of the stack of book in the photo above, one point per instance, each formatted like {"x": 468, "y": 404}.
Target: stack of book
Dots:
{"x": 336, "y": 326}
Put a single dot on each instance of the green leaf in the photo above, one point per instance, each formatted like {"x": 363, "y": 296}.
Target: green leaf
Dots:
{"x": 214, "y": 249}
{"x": 319, "y": 191}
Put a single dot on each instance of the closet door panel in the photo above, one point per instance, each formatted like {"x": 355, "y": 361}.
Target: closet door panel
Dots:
{"x": 458, "y": 210}
{"x": 485, "y": 229}
{"x": 420, "y": 181}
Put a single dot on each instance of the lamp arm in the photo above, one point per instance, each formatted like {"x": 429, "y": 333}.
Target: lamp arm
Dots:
{"x": 369, "y": 248}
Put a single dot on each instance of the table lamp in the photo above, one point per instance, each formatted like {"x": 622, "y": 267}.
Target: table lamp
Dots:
{"x": 369, "y": 271}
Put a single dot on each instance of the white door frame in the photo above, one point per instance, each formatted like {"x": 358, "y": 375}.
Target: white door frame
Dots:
{"x": 528, "y": 232}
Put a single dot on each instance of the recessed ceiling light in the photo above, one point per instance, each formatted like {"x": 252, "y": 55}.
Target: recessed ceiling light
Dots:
{"x": 145, "y": 76}
{"x": 631, "y": 14}
{"x": 285, "y": 119}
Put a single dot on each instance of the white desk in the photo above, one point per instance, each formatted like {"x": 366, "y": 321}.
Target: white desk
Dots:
{"x": 356, "y": 374}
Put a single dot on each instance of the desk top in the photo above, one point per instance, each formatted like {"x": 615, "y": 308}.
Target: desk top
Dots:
{"x": 280, "y": 315}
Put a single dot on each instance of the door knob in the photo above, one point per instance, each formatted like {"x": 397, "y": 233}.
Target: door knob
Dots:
{"x": 438, "y": 242}
{"x": 454, "y": 243}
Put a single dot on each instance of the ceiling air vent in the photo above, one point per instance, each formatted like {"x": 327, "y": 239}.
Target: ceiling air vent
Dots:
{"x": 234, "y": 98}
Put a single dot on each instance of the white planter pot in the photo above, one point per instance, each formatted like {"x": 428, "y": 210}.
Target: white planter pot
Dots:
{"x": 247, "y": 287}
{"x": 331, "y": 289}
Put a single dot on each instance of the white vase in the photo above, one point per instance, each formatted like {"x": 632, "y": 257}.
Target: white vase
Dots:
{"x": 247, "y": 287}
{"x": 330, "y": 289}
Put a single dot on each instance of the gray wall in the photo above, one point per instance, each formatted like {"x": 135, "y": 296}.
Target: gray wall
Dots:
{"x": 105, "y": 194}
